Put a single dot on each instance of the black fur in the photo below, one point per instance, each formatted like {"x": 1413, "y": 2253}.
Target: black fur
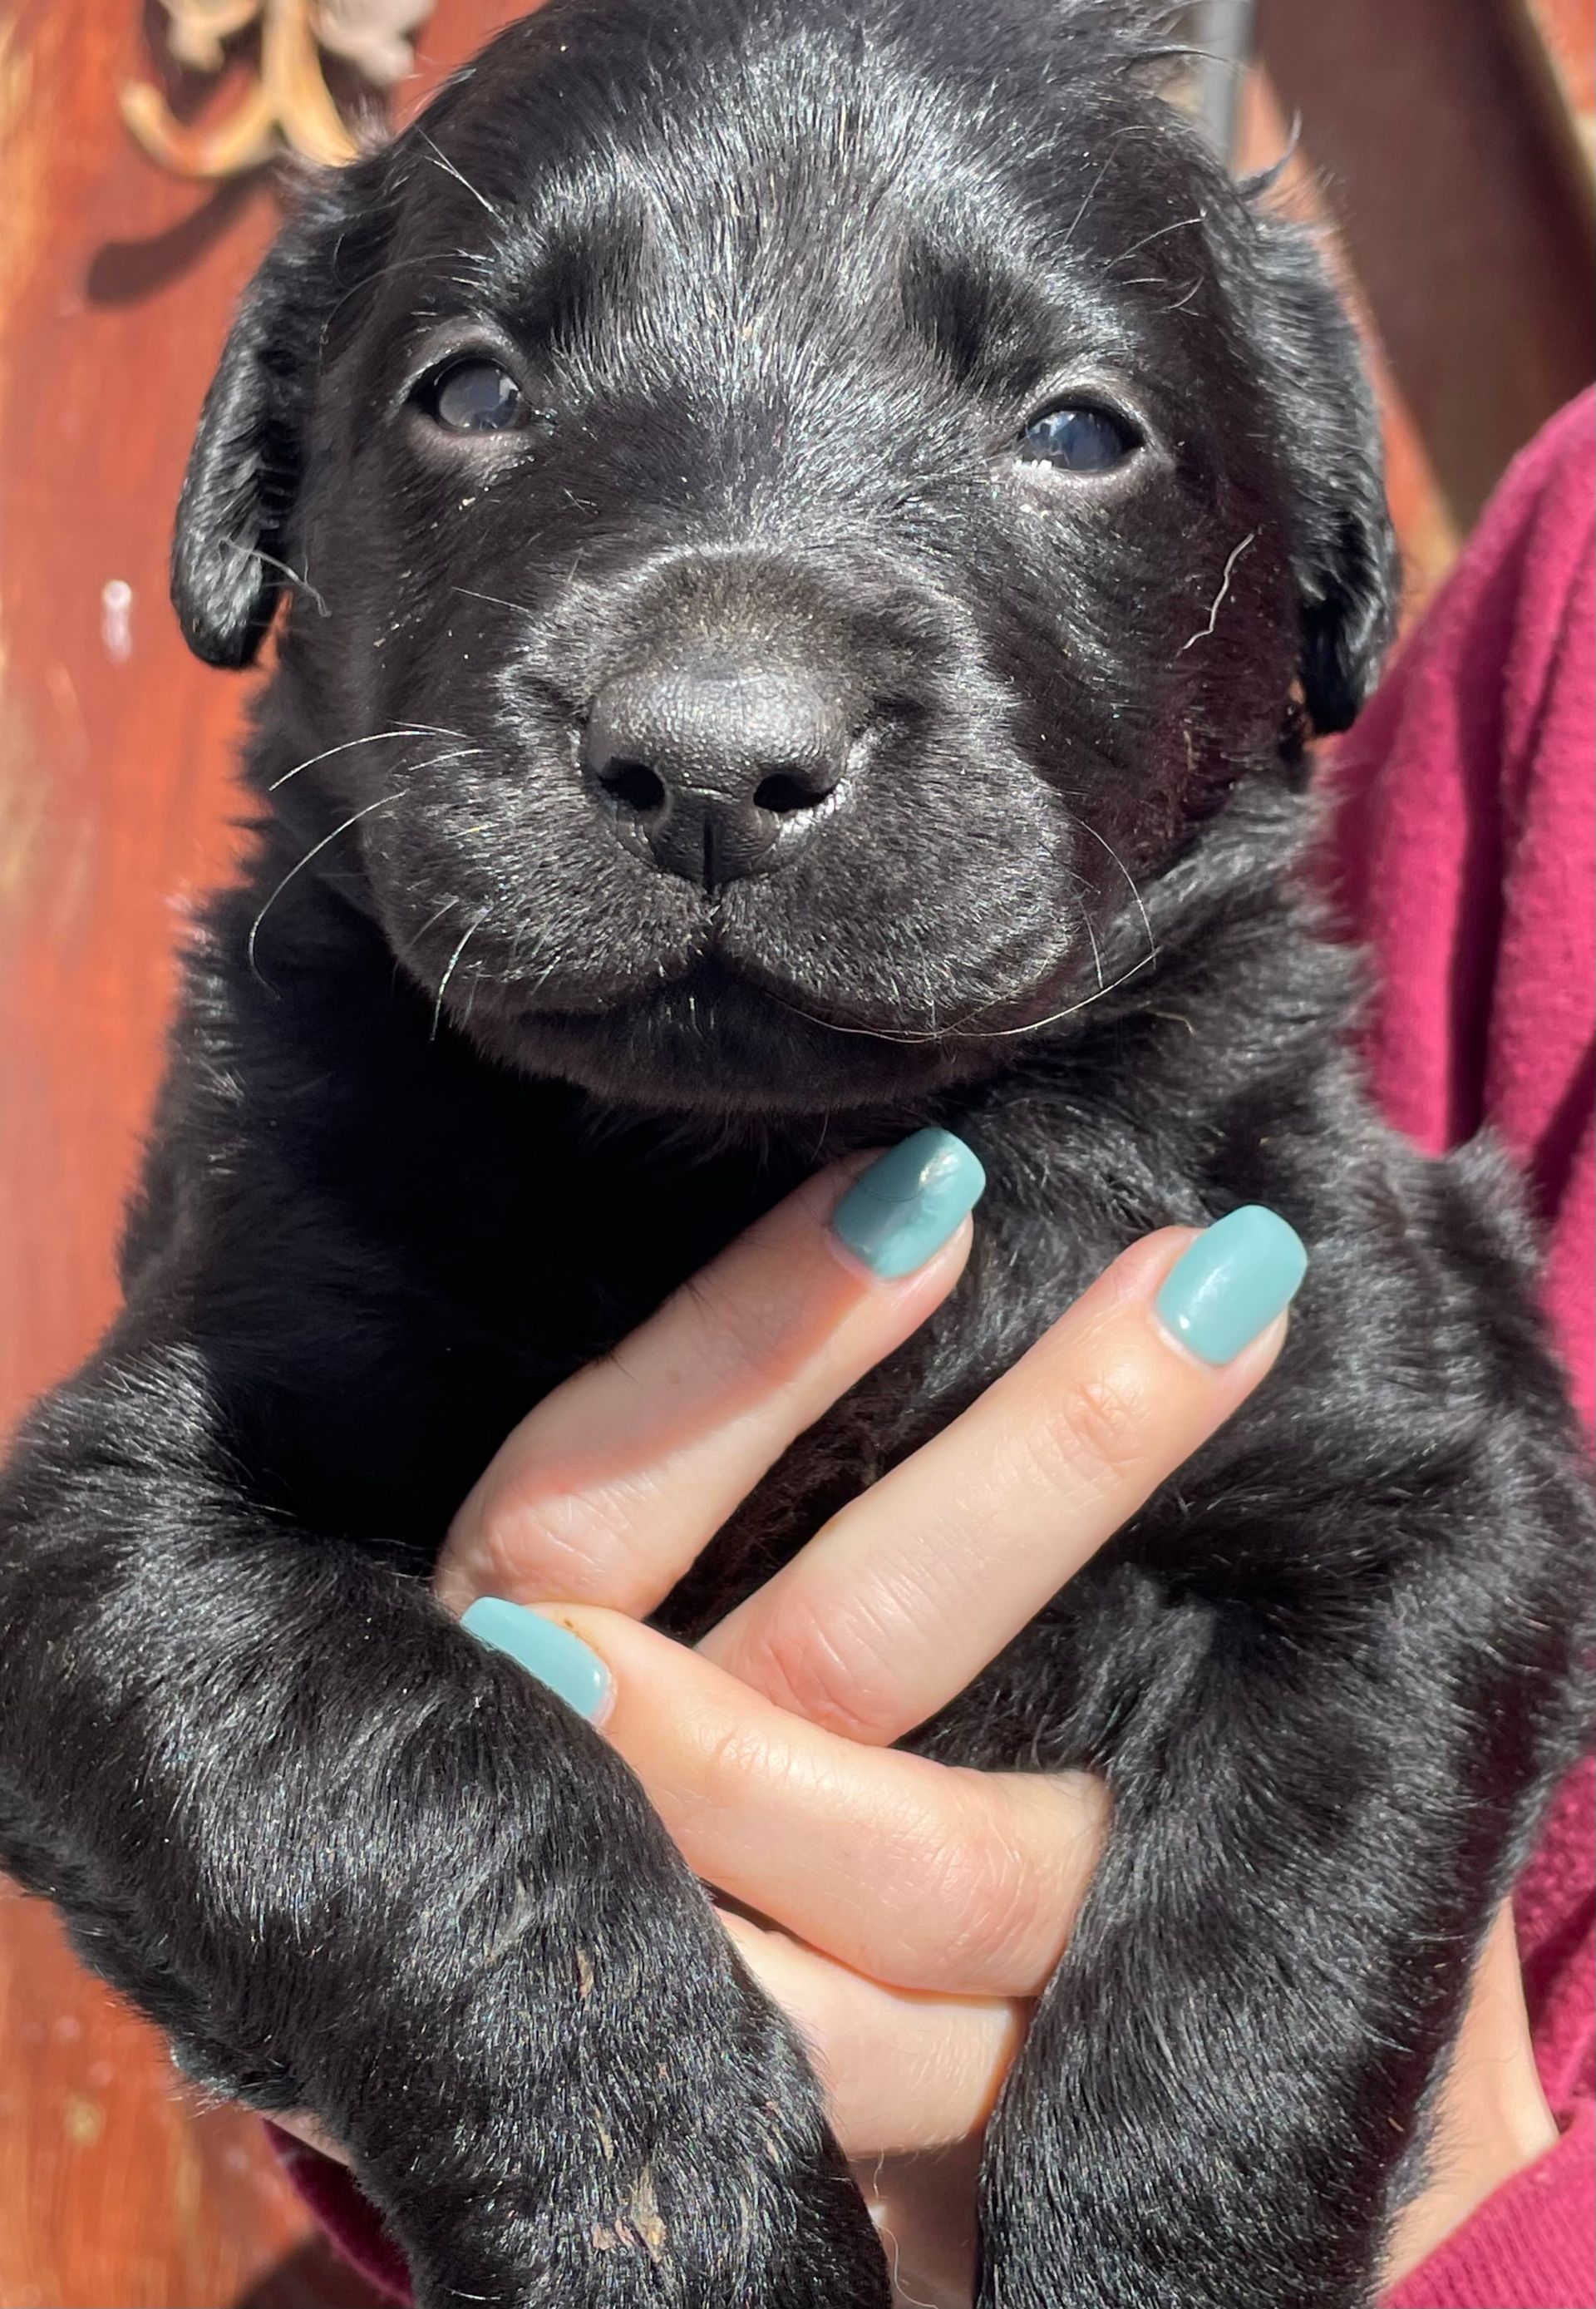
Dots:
{"x": 787, "y": 277}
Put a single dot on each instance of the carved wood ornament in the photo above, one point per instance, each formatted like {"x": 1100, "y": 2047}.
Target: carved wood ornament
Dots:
{"x": 289, "y": 106}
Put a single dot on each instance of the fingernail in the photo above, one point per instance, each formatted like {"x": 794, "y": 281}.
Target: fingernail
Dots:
{"x": 909, "y": 1202}
{"x": 1232, "y": 1283}
{"x": 545, "y": 1649}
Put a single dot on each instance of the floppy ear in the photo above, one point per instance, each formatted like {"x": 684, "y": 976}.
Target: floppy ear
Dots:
{"x": 1344, "y": 549}
{"x": 230, "y": 548}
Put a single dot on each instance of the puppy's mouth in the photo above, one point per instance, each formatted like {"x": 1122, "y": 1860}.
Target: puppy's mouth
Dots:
{"x": 719, "y": 1036}
{"x": 729, "y": 1035}
{"x": 716, "y": 994}
{"x": 768, "y": 997}
{"x": 776, "y": 992}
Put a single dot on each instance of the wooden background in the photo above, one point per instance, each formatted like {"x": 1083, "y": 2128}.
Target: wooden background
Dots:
{"x": 1455, "y": 138}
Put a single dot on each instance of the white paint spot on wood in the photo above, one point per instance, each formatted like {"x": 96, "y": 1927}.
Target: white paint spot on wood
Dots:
{"x": 116, "y": 620}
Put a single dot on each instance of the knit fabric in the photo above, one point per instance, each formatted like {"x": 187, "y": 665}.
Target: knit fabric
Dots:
{"x": 1466, "y": 857}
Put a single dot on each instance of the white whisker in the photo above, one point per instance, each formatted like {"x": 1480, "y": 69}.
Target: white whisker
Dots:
{"x": 1130, "y": 883}
{"x": 369, "y": 281}
{"x": 451, "y": 965}
{"x": 1035, "y": 1026}
{"x": 1205, "y": 632}
{"x": 497, "y": 599}
{"x": 433, "y": 761}
{"x": 974, "y": 1033}
{"x": 406, "y": 730}
{"x": 431, "y": 920}
{"x": 314, "y": 852}
{"x": 449, "y": 169}
{"x": 1090, "y": 195}
{"x": 1097, "y": 952}
{"x": 256, "y": 553}
{"x": 411, "y": 940}
{"x": 1147, "y": 239}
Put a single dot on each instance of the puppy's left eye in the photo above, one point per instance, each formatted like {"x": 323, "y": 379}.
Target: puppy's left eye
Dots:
{"x": 1079, "y": 437}
{"x": 475, "y": 396}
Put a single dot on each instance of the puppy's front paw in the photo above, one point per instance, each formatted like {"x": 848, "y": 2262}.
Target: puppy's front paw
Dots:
{"x": 670, "y": 2153}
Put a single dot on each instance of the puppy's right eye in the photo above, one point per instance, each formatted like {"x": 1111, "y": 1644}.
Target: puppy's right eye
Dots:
{"x": 474, "y": 396}
{"x": 1079, "y": 437}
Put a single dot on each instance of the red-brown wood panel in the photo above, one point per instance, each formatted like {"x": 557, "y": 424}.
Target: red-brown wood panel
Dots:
{"x": 116, "y": 2191}
{"x": 1566, "y": 35}
{"x": 1469, "y": 250}
{"x": 1467, "y": 232}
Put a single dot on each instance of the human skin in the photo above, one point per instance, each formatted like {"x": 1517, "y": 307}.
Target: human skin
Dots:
{"x": 904, "y": 1912}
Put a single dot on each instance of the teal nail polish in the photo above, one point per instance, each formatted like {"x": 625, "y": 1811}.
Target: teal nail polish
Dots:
{"x": 908, "y": 1203}
{"x": 544, "y": 1649}
{"x": 1232, "y": 1283}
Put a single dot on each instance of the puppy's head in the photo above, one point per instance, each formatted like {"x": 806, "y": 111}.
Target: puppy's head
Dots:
{"x": 804, "y": 505}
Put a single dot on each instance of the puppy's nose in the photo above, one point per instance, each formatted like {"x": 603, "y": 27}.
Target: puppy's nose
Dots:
{"x": 719, "y": 767}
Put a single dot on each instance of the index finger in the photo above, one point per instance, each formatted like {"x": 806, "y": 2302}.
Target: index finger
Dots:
{"x": 612, "y": 1486}
{"x": 907, "y": 1593}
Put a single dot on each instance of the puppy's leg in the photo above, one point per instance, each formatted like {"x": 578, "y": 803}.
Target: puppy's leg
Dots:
{"x": 1225, "y": 2070}
{"x": 354, "y": 1862}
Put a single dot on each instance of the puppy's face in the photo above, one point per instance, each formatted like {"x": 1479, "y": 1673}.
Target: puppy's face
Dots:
{"x": 804, "y": 517}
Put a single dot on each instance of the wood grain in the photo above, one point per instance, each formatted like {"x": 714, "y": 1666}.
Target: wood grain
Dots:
{"x": 116, "y": 2191}
{"x": 1470, "y": 247}
{"x": 1566, "y": 30}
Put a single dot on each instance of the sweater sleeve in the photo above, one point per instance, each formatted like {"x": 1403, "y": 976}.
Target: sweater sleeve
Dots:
{"x": 1532, "y": 2245}
{"x": 1464, "y": 855}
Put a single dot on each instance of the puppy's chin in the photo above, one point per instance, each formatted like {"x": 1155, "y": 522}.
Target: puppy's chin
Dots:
{"x": 711, "y": 1044}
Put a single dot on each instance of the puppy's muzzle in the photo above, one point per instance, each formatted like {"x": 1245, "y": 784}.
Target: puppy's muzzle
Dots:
{"x": 715, "y": 766}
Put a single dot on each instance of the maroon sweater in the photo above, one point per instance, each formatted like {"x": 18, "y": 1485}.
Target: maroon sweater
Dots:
{"x": 1465, "y": 854}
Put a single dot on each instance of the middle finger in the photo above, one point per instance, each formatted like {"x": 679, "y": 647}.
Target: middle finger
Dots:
{"x": 610, "y": 1486}
{"x": 906, "y": 1595}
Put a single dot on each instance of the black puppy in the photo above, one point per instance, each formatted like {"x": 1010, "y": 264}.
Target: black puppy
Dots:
{"x": 818, "y": 530}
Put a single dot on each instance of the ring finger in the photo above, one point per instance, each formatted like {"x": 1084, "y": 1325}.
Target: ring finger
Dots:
{"x": 904, "y": 2071}
{"x": 923, "y": 1875}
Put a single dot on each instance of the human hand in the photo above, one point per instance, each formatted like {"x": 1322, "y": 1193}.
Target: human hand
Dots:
{"x": 904, "y": 1912}
{"x": 923, "y": 1907}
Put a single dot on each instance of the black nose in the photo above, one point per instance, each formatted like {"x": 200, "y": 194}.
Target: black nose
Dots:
{"x": 717, "y": 767}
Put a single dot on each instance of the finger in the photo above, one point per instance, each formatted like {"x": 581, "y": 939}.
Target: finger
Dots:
{"x": 908, "y": 1592}
{"x": 1491, "y": 2118}
{"x": 1494, "y": 2084}
{"x": 903, "y": 2072}
{"x": 312, "y": 2133}
{"x": 614, "y": 1483}
{"x": 922, "y": 1875}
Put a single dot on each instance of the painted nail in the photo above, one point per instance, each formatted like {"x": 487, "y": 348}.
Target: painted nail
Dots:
{"x": 545, "y": 1649}
{"x": 1232, "y": 1283}
{"x": 909, "y": 1202}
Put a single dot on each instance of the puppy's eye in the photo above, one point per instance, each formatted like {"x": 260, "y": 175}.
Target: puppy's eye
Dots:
{"x": 475, "y": 396}
{"x": 1079, "y": 438}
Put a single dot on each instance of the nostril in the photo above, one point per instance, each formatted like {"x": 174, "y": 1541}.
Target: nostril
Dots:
{"x": 712, "y": 767}
{"x": 635, "y": 785}
{"x": 782, "y": 793}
